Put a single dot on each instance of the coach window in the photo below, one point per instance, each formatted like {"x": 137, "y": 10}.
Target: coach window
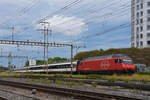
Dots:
{"x": 51, "y": 67}
{"x": 64, "y": 66}
{"x": 56, "y": 67}
{"x": 61, "y": 66}
{"x": 67, "y": 66}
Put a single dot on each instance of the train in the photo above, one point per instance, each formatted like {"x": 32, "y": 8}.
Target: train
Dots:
{"x": 110, "y": 64}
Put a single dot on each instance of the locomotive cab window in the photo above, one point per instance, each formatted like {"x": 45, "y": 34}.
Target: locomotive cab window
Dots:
{"x": 79, "y": 63}
{"x": 127, "y": 61}
{"x": 118, "y": 61}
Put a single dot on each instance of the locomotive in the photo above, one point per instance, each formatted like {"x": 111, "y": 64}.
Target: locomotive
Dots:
{"x": 109, "y": 64}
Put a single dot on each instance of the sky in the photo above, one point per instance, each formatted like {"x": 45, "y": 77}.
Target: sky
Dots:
{"x": 96, "y": 24}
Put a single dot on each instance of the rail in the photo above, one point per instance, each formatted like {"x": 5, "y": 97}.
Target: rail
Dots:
{"x": 86, "y": 95}
{"x": 134, "y": 85}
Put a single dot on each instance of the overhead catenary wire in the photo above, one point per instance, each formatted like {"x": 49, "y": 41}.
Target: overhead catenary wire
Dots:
{"x": 127, "y": 5}
{"x": 106, "y": 20}
{"x": 55, "y": 12}
{"x": 106, "y": 16}
{"x": 60, "y": 10}
{"x": 91, "y": 13}
{"x": 122, "y": 26}
{"x": 24, "y": 10}
{"x": 122, "y": 7}
{"x": 101, "y": 33}
{"x": 68, "y": 21}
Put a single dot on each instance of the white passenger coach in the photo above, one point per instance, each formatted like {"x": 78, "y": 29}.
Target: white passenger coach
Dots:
{"x": 52, "y": 68}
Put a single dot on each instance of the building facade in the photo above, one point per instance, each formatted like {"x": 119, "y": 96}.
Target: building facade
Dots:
{"x": 140, "y": 23}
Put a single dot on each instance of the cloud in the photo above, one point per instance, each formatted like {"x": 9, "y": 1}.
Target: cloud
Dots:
{"x": 67, "y": 25}
{"x": 53, "y": 3}
{"x": 5, "y": 32}
{"x": 16, "y": 2}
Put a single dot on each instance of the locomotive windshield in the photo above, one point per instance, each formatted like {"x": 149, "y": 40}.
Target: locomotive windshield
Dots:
{"x": 127, "y": 61}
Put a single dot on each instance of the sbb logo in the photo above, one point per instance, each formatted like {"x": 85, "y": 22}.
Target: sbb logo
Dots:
{"x": 105, "y": 64}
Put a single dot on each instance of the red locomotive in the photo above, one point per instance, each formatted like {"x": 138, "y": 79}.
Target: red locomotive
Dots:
{"x": 110, "y": 64}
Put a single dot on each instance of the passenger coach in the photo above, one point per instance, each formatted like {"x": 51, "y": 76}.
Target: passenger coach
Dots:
{"x": 52, "y": 68}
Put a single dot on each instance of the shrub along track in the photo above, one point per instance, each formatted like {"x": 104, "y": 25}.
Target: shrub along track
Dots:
{"x": 84, "y": 95}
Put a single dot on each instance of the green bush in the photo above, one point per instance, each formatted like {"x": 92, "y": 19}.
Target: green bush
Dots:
{"x": 144, "y": 73}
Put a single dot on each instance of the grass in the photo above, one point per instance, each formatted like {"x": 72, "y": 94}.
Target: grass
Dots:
{"x": 40, "y": 80}
{"x": 139, "y": 76}
{"x": 56, "y": 82}
{"x": 94, "y": 84}
{"x": 69, "y": 83}
{"x": 144, "y": 73}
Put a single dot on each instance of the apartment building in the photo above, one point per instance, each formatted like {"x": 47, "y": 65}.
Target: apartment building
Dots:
{"x": 140, "y": 23}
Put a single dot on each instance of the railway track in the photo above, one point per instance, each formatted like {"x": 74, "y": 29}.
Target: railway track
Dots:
{"x": 136, "y": 85}
{"x": 2, "y": 98}
{"x": 83, "y": 95}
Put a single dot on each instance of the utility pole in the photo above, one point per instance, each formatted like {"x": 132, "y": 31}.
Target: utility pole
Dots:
{"x": 10, "y": 57}
{"x": 9, "y": 62}
{"x": 71, "y": 58}
{"x": 12, "y": 28}
{"x": 1, "y": 51}
{"x": 78, "y": 47}
{"x": 46, "y": 31}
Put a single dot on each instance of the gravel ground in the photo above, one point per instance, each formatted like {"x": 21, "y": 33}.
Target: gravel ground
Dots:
{"x": 145, "y": 95}
{"x": 28, "y": 93}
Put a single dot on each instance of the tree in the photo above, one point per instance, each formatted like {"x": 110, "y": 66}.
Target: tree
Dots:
{"x": 50, "y": 60}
